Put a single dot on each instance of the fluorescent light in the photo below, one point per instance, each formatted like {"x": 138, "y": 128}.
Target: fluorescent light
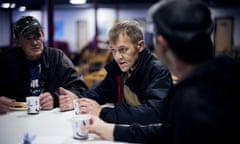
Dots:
{"x": 5, "y": 5}
{"x": 22, "y": 8}
{"x": 78, "y": 1}
{"x": 8, "y": 5}
{"x": 13, "y": 5}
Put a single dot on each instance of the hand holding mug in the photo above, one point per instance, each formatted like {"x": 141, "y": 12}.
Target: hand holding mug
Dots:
{"x": 46, "y": 101}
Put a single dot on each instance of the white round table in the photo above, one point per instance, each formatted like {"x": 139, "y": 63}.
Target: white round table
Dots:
{"x": 49, "y": 127}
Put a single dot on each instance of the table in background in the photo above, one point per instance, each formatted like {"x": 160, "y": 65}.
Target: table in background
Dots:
{"x": 49, "y": 127}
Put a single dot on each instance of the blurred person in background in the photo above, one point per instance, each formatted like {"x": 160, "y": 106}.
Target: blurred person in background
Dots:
{"x": 204, "y": 106}
{"x": 31, "y": 69}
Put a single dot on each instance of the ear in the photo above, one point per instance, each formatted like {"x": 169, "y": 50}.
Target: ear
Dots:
{"x": 140, "y": 45}
{"x": 43, "y": 35}
{"x": 163, "y": 43}
{"x": 17, "y": 42}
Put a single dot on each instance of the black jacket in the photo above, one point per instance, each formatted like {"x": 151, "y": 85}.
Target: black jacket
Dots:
{"x": 56, "y": 70}
{"x": 203, "y": 108}
{"x": 150, "y": 81}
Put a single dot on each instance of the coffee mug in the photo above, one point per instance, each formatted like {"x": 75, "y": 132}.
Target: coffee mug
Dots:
{"x": 76, "y": 107}
{"x": 77, "y": 122}
{"x": 33, "y": 103}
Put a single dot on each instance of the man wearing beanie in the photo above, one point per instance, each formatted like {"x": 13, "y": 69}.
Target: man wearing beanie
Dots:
{"x": 204, "y": 106}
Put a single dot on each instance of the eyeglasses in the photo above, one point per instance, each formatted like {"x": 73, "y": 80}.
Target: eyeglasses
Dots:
{"x": 122, "y": 50}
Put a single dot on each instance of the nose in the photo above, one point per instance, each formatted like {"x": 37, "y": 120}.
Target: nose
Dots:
{"x": 34, "y": 41}
{"x": 117, "y": 55}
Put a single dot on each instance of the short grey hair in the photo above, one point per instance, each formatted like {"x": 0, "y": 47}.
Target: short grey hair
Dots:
{"x": 131, "y": 28}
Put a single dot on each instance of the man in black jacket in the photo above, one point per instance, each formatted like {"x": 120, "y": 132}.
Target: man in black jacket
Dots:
{"x": 30, "y": 69}
{"x": 136, "y": 82}
{"x": 204, "y": 106}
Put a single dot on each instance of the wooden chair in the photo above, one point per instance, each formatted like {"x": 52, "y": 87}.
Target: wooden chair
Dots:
{"x": 93, "y": 79}
{"x": 92, "y": 68}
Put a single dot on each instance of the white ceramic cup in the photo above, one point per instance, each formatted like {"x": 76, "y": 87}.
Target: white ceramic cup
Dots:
{"x": 33, "y": 103}
{"x": 77, "y": 122}
{"x": 76, "y": 107}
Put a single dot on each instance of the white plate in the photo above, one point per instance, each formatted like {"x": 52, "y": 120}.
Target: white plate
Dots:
{"x": 17, "y": 109}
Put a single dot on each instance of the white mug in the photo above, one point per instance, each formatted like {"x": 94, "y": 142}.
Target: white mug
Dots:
{"x": 77, "y": 122}
{"x": 33, "y": 103}
{"x": 76, "y": 107}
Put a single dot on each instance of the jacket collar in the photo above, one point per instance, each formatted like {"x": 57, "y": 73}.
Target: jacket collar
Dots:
{"x": 138, "y": 71}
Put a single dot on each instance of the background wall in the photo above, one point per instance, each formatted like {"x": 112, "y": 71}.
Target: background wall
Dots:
{"x": 68, "y": 18}
{"x": 4, "y": 28}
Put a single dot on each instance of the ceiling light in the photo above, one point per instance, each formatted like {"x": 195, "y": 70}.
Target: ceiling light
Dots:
{"x": 22, "y": 8}
{"x": 13, "y": 5}
{"x": 78, "y": 1}
{"x": 5, "y": 5}
{"x": 8, "y": 5}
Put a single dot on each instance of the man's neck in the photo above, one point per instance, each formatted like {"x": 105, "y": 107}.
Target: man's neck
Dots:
{"x": 181, "y": 70}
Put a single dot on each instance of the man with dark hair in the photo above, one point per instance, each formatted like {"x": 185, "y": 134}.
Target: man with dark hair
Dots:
{"x": 204, "y": 106}
{"x": 31, "y": 69}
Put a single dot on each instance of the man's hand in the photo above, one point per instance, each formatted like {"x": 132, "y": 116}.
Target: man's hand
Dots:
{"x": 5, "y": 103}
{"x": 100, "y": 128}
{"x": 66, "y": 99}
{"x": 89, "y": 106}
{"x": 46, "y": 101}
